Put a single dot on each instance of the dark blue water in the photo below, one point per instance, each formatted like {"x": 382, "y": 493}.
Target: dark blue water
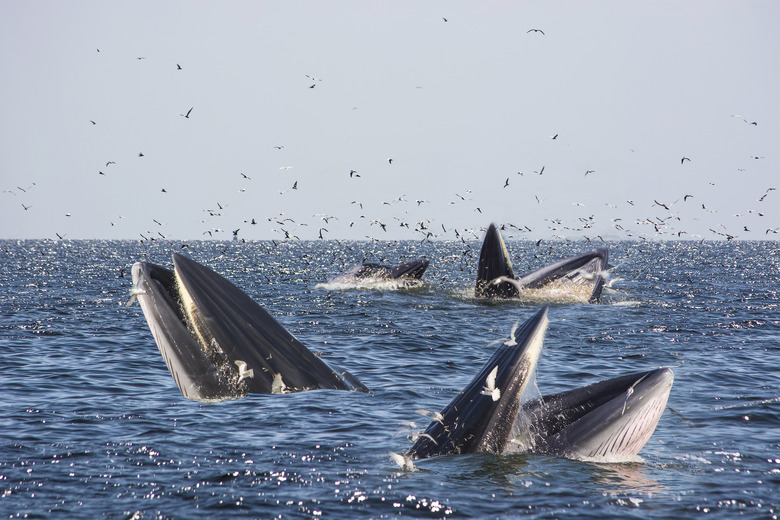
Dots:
{"x": 93, "y": 426}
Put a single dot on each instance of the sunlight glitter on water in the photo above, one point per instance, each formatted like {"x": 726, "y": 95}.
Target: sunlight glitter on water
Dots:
{"x": 372, "y": 284}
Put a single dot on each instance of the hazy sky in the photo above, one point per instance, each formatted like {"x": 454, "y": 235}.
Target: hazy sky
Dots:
{"x": 288, "y": 97}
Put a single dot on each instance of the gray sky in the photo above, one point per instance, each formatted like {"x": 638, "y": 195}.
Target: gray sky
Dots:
{"x": 459, "y": 105}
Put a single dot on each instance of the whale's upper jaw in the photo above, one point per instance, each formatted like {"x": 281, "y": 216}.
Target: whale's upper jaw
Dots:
{"x": 493, "y": 263}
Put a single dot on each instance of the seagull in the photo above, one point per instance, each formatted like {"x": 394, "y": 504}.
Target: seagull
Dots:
{"x": 295, "y": 186}
{"x": 540, "y": 171}
{"x": 413, "y": 436}
{"x": 588, "y": 172}
{"x": 187, "y": 115}
{"x": 178, "y": 67}
{"x": 660, "y": 204}
{"x": 687, "y": 197}
{"x": 491, "y": 389}
{"x": 765, "y": 194}
{"x": 502, "y": 279}
{"x": 353, "y": 173}
{"x": 534, "y": 30}
{"x": 110, "y": 162}
{"x": 554, "y": 137}
{"x": 506, "y": 183}
{"x": 404, "y": 462}
{"x": 390, "y": 160}
{"x": 436, "y": 416}
{"x": 244, "y": 175}
{"x": 684, "y": 159}
{"x": 243, "y": 373}
{"x": 140, "y": 154}
{"x": 278, "y": 386}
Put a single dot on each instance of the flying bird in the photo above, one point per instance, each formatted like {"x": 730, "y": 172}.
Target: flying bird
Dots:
{"x": 490, "y": 385}
{"x": 506, "y": 183}
{"x": 684, "y": 159}
{"x": 534, "y": 30}
{"x": 187, "y": 115}
{"x": 436, "y": 416}
{"x": 178, "y": 67}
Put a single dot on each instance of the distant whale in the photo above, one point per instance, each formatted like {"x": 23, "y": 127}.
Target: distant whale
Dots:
{"x": 612, "y": 418}
{"x": 495, "y": 277}
{"x": 412, "y": 270}
{"x": 220, "y": 344}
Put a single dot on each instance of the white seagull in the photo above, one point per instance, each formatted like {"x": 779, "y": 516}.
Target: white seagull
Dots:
{"x": 491, "y": 389}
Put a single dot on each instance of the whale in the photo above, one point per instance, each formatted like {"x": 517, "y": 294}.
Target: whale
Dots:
{"x": 218, "y": 343}
{"x": 605, "y": 420}
{"x": 496, "y": 277}
{"x": 412, "y": 270}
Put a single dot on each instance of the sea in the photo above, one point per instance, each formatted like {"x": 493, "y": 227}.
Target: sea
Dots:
{"x": 92, "y": 424}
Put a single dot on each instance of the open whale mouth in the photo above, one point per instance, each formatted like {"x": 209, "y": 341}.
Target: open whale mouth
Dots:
{"x": 587, "y": 269}
{"x": 610, "y": 420}
{"x": 481, "y": 417}
{"x": 413, "y": 269}
{"x": 220, "y": 344}
{"x": 496, "y": 278}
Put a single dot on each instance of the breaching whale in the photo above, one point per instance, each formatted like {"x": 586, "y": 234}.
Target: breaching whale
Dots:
{"x": 496, "y": 278}
{"x": 605, "y": 420}
{"x": 412, "y": 270}
{"x": 220, "y": 344}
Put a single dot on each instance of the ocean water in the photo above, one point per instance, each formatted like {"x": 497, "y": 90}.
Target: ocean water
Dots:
{"x": 93, "y": 426}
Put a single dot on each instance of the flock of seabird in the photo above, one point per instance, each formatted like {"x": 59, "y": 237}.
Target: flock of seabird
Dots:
{"x": 649, "y": 227}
